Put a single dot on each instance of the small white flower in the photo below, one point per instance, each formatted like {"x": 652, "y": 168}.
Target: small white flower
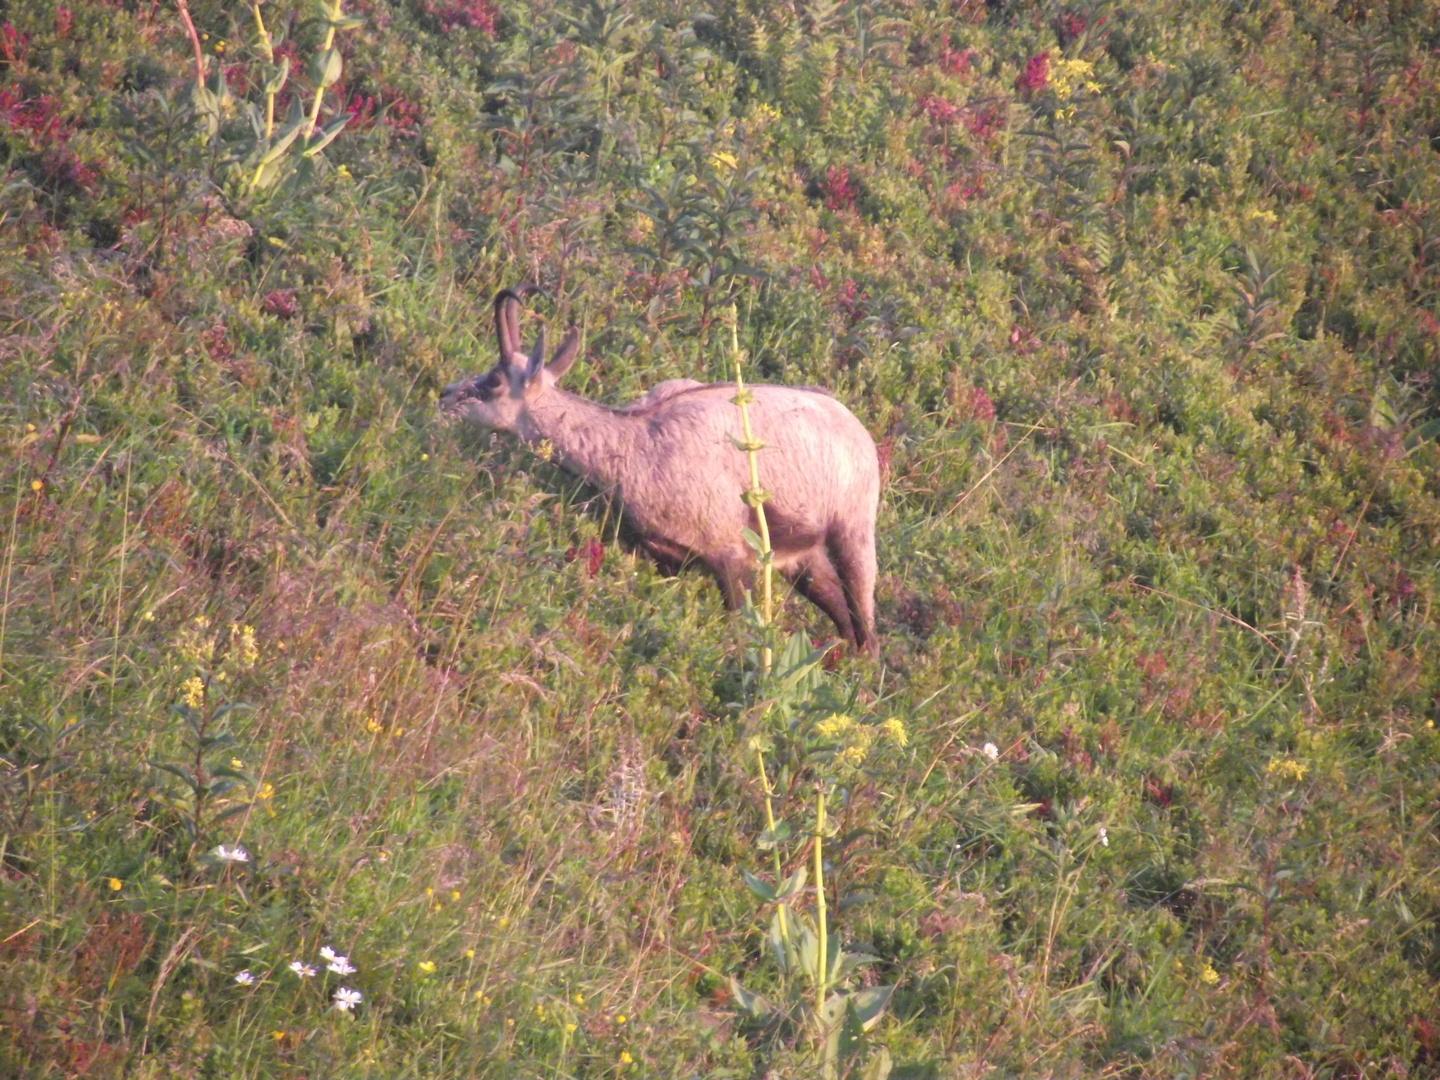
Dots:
{"x": 327, "y": 953}
{"x": 341, "y": 966}
{"x": 245, "y": 979}
{"x": 235, "y": 854}
{"x": 346, "y": 999}
{"x": 305, "y": 971}
{"x": 991, "y": 751}
{"x": 1104, "y": 837}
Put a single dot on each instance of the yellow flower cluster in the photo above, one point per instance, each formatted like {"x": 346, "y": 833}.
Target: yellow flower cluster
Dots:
{"x": 1287, "y": 768}
{"x": 193, "y": 690}
{"x": 855, "y": 740}
{"x": 247, "y": 653}
{"x": 1068, "y": 76}
{"x": 196, "y": 645}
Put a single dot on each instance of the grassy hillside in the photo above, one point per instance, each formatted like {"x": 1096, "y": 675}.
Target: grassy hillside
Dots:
{"x": 1142, "y": 305}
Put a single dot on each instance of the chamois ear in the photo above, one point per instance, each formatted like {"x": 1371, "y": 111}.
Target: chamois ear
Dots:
{"x": 564, "y": 358}
{"x": 537, "y": 357}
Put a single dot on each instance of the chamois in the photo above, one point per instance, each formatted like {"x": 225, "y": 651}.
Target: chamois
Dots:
{"x": 670, "y": 459}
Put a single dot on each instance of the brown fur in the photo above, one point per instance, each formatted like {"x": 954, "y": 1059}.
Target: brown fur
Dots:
{"x": 671, "y": 460}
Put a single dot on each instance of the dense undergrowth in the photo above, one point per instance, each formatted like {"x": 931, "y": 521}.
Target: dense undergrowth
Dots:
{"x": 1142, "y": 304}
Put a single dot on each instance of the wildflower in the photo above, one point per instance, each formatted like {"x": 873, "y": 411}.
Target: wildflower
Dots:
{"x": 246, "y": 649}
{"x": 454, "y": 894}
{"x": 625, "y": 1058}
{"x": 569, "y": 1029}
{"x": 1208, "y": 975}
{"x": 894, "y": 730}
{"x": 245, "y": 979}
{"x": 853, "y": 756}
{"x": 1104, "y": 837}
{"x": 723, "y": 161}
{"x": 327, "y": 953}
{"x": 115, "y": 884}
{"x": 340, "y": 965}
{"x": 424, "y": 457}
{"x": 1287, "y": 768}
{"x": 236, "y": 764}
{"x": 303, "y": 970}
{"x": 504, "y": 922}
{"x": 373, "y": 726}
{"x": 277, "y": 1034}
{"x": 37, "y": 486}
{"x": 343, "y": 173}
{"x": 991, "y": 751}
{"x": 834, "y": 726}
{"x": 149, "y": 616}
{"x": 427, "y": 967}
{"x": 196, "y": 645}
{"x": 193, "y": 690}
{"x": 579, "y": 999}
{"x": 265, "y": 791}
{"x": 235, "y": 854}
{"x": 620, "y": 1019}
{"x": 545, "y": 450}
{"x": 346, "y": 999}
{"x": 469, "y": 954}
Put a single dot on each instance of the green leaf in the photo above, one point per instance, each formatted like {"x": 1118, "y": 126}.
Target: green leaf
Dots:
{"x": 326, "y": 68}
{"x": 176, "y": 770}
{"x": 792, "y": 885}
{"x": 282, "y": 143}
{"x": 327, "y": 135}
{"x": 760, "y": 888}
{"x": 756, "y": 1007}
{"x": 869, "y": 1004}
{"x": 279, "y": 75}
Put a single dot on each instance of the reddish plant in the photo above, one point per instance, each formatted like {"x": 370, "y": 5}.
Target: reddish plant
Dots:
{"x": 39, "y": 116}
{"x": 1035, "y": 77}
{"x": 938, "y": 109}
{"x": 362, "y": 112}
{"x": 837, "y": 190}
{"x": 64, "y": 22}
{"x": 594, "y": 553}
{"x": 464, "y": 14}
{"x": 851, "y": 301}
{"x": 954, "y": 61}
{"x": 280, "y": 303}
{"x": 13, "y": 44}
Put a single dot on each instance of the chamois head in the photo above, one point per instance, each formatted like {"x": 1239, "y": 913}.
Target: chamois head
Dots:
{"x": 500, "y": 398}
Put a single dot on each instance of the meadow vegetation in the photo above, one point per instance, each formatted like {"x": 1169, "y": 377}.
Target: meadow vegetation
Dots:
{"x": 1142, "y": 305}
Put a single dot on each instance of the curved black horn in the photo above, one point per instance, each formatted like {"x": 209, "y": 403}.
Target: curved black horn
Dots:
{"x": 507, "y": 318}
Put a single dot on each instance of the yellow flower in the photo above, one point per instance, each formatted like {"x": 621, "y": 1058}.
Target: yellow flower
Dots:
{"x": 545, "y": 450}
{"x": 372, "y": 725}
{"x": 469, "y": 954}
{"x": 236, "y": 764}
{"x": 424, "y": 457}
{"x": 723, "y": 161}
{"x": 625, "y": 1058}
{"x": 246, "y": 649}
{"x": 834, "y": 725}
{"x": 343, "y": 173}
{"x": 194, "y": 691}
{"x": 569, "y": 1029}
{"x": 149, "y": 616}
{"x": 266, "y": 791}
{"x": 454, "y": 894}
{"x": 37, "y": 485}
{"x": 1208, "y": 975}
{"x": 579, "y": 999}
{"x": 854, "y": 756}
{"x": 504, "y": 922}
{"x": 429, "y": 891}
{"x": 1287, "y": 768}
{"x": 115, "y": 884}
{"x": 620, "y": 1019}
{"x": 277, "y": 1035}
{"x": 427, "y": 967}
{"x": 894, "y": 730}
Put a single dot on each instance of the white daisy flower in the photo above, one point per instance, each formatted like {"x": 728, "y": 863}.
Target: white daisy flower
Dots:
{"x": 341, "y": 966}
{"x": 991, "y": 751}
{"x": 245, "y": 979}
{"x": 1104, "y": 837}
{"x": 327, "y": 953}
{"x": 346, "y": 999}
{"x": 305, "y": 971}
{"x": 235, "y": 854}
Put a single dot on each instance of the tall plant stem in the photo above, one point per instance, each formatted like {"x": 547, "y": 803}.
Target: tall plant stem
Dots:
{"x": 324, "y": 49}
{"x": 769, "y": 811}
{"x": 755, "y": 495}
{"x": 821, "y": 975}
{"x": 269, "y": 46}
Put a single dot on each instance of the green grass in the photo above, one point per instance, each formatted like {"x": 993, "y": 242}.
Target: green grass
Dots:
{"x": 1157, "y": 385}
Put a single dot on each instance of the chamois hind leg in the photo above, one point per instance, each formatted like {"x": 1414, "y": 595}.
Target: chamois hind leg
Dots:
{"x": 854, "y": 558}
{"x": 820, "y": 584}
{"x": 733, "y": 574}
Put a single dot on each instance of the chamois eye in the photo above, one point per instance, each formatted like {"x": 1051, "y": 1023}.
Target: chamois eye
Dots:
{"x": 487, "y": 387}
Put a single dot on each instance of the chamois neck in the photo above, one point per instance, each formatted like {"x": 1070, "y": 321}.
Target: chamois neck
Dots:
{"x": 590, "y": 441}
